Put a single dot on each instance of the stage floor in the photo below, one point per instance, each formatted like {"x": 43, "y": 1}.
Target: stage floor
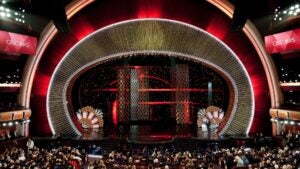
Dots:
{"x": 149, "y": 134}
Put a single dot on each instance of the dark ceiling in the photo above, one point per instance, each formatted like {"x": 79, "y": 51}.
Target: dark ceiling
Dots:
{"x": 260, "y": 12}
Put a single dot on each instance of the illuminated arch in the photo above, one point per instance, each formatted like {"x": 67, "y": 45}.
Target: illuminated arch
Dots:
{"x": 50, "y": 31}
{"x": 150, "y": 36}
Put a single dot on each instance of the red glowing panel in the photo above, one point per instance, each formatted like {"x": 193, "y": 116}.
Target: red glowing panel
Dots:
{"x": 115, "y": 112}
{"x": 149, "y": 9}
{"x": 43, "y": 84}
{"x": 218, "y": 31}
{"x": 83, "y": 31}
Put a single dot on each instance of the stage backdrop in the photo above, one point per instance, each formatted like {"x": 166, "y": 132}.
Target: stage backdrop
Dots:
{"x": 103, "y": 13}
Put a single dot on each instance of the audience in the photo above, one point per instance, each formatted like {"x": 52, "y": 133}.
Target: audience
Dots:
{"x": 57, "y": 157}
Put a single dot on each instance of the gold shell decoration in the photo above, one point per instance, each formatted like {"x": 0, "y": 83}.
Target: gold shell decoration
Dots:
{"x": 90, "y": 118}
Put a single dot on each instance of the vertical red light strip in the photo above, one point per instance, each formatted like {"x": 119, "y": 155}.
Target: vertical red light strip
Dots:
{"x": 186, "y": 107}
{"x": 115, "y": 112}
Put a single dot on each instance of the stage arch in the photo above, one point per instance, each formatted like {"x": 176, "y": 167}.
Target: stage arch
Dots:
{"x": 40, "y": 68}
{"x": 151, "y": 36}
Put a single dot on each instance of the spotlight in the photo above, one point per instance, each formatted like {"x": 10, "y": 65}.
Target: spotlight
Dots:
{"x": 10, "y": 123}
{"x": 292, "y": 122}
{"x": 4, "y": 124}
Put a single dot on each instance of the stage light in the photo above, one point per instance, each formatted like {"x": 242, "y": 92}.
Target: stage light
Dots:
{"x": 16, "y": 122}
{"x": 4, "y": 124}
{"x": 10, "y": 123}
{"x": 292, "y": 122}
{"x": 286, "y": 122}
